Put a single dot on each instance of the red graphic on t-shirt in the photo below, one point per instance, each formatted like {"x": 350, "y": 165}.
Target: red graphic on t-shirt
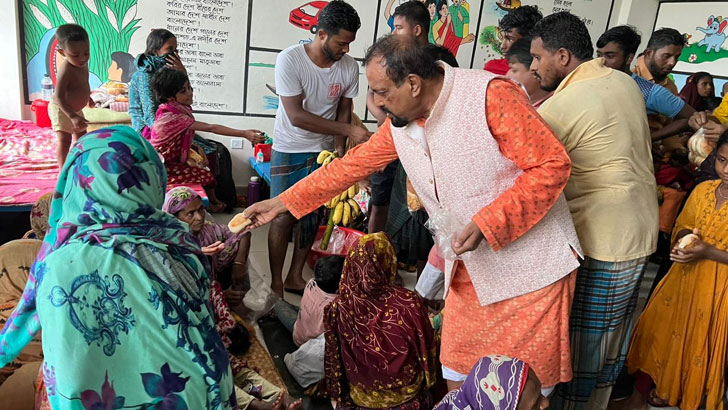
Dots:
{"x": 335, "y": 90}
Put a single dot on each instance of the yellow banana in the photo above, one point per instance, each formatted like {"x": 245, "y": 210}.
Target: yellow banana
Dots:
{"x": 334, "y": 202}
{"x": 346, "y": 218}
{"x": 353, "y": 190}
{"x": 328, "y": 204}
{"x": 328, "y": 160}
{"x": 344, "y": 195}
{"x": 355, "y": 210}
{"x": 338, "y": 213}
{"x": 322, "y": 156}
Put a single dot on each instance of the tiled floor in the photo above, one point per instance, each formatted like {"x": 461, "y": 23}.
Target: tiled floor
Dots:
{"x": 260, "y": 272}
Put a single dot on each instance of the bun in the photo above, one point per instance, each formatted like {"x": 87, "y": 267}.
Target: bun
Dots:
{"x": 238, "y": 223}
{"x": 688, "y": 241}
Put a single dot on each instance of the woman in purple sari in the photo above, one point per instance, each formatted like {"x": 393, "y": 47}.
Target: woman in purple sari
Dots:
{"x": 228, "y": 251}
{"x": 497, "y": 383}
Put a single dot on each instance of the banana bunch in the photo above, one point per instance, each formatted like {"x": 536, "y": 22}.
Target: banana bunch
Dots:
{"x": 344, "y": 210}
{"x": 344, "y": 207}
{"x": 324, "y": 157}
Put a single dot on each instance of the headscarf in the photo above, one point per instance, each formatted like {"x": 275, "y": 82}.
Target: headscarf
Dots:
{"x": 689, "y": 92}
{"x": 178, "y": 198}
{"x": 39, "y": 214}
{"x": 151, "y": 64}
{"x": 495, "y": 383}
{"x": 173, "y": 119}
{"x": 109, "y": 193}
{"x": 379, "y": 341}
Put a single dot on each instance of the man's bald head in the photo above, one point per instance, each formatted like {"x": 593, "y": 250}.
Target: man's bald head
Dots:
{"x": 402, "y": 56}
{"x": 399, "y": 70}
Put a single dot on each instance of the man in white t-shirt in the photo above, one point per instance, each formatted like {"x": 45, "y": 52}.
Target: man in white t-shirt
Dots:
{"x": 316, "y": 83}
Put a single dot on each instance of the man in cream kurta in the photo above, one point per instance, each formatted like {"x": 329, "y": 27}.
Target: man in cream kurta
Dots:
{"x": 599, "y": 115}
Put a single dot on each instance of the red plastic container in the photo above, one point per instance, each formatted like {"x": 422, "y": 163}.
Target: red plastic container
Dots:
{"x": 347, "y": 236}
{"x": 40, "y": 108}
{"x": 266, "y": 151}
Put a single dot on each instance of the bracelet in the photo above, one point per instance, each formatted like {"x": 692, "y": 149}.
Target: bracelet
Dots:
{"x": 238, "y": 263}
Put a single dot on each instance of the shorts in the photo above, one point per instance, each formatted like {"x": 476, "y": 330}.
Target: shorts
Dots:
{"x": 59, "y": 119}
{"x": 381, "y": 184}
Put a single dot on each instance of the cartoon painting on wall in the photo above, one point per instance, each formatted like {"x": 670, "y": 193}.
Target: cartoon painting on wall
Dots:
{"x": 710, "y": 47}
{"x": 594, "y": 13}
{"x": 705, "y": 30}
{"x": 449, "y": 23}
{"x": 306, "y": 16}
{"x": 109, "y": 23}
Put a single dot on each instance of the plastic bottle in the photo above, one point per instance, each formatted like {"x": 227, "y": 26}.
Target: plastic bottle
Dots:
{"x": 259, "y": 157}
{"x": 46, "y": 85}
{"x": 253, "y": 190}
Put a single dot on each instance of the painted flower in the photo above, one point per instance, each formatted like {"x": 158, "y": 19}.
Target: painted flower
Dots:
{"x": 163, "y": 388}
{"x": 108, "y": 400}
{"x": 693, "y": 57}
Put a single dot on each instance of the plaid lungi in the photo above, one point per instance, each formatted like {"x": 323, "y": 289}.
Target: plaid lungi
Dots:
{"x": 287, "y": 169}
{"x": 600, "y": 328}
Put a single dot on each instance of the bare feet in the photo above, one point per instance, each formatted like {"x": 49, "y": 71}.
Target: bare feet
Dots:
{"x": 286, "y": 402}
{"x": 294, "y": 283}
{"x": 277, "y": 289}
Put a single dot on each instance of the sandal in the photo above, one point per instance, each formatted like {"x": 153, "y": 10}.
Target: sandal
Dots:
{"x": 655, "y": 401}
{"x": 216, "y": 208}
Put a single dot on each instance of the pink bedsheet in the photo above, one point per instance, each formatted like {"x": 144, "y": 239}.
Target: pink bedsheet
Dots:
{"x": 28, "y": 167}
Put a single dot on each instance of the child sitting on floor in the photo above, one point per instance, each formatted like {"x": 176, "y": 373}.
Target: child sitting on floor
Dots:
{"x": 306, "y": 364}
{"x": 174, "y": 129}
{"x": 308, "y": 322}
{"x": 73, "y": 92}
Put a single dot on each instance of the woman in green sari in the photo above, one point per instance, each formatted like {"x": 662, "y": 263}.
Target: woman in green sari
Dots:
{"x": 120, "y": 289}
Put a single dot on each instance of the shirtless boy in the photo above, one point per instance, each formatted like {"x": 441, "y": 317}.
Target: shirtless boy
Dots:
{"x": 72, "y": 88}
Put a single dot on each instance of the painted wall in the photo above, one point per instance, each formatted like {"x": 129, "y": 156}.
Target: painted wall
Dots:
{"x": 10, "y": 76}
{"x": 270, "y": 36}
{"x": 705, "y": 30}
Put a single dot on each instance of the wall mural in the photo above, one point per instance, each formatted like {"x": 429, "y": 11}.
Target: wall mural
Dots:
{"x": 229, "y": 46}
{"x": 705, "y": 30}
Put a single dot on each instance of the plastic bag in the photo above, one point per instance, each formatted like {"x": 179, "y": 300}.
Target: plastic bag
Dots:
{"x": 260, "y": 299}
{"x": 445, "y": 228}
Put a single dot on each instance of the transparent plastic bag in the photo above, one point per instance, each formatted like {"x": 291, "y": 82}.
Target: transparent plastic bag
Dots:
{"x": 445, "y": 228}
{"x": 260, "y": 298}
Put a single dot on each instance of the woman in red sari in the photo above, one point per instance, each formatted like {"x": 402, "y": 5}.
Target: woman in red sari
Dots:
{"x": 174, "y": 129}
{"x": 380, "y": 349}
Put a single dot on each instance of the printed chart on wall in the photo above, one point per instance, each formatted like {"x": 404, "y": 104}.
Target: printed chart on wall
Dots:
{"x": 705, "y": 30}
{"x": 594, "y": 13}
